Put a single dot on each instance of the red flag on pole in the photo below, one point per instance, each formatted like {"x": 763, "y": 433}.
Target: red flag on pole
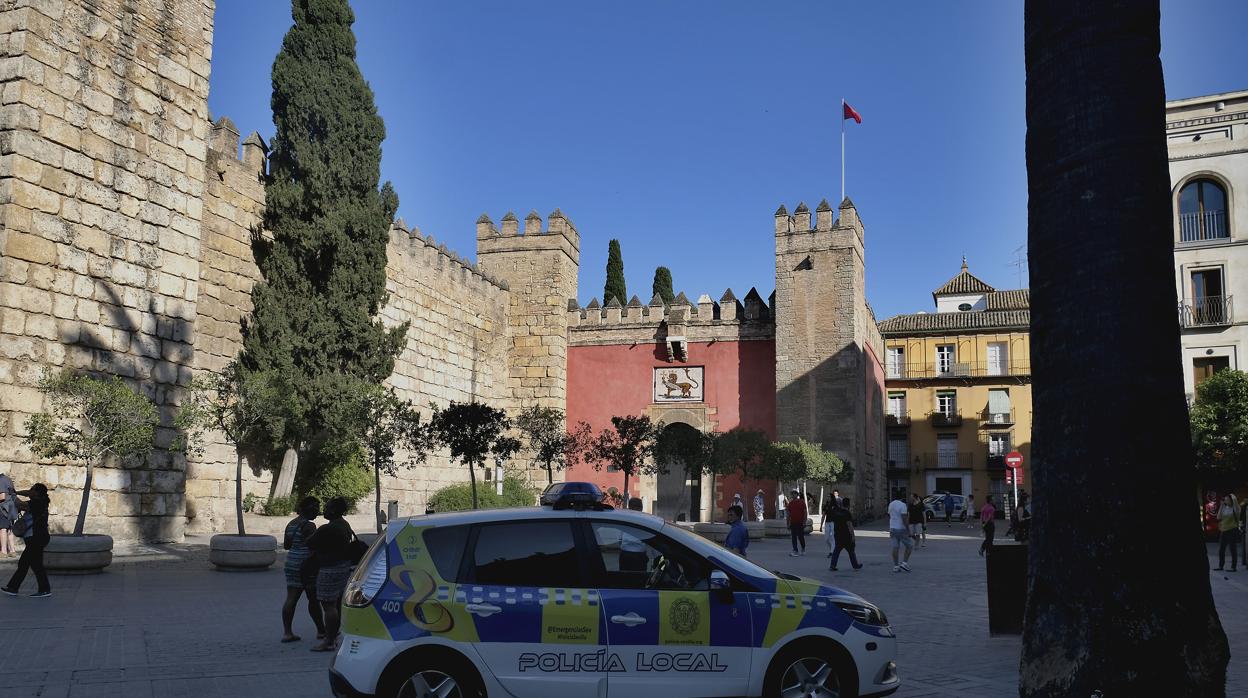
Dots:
{"x": 850, "y": 113}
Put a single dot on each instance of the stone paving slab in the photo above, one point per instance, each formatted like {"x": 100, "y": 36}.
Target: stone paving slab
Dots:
{"x": 161, "y": 622}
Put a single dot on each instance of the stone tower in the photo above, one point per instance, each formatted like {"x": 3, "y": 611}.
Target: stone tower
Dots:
{"x": 540, "y": 269}
{"x": 827, "y": 345}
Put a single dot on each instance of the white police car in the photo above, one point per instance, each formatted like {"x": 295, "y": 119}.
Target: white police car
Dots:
{"x": 574, "y": 599}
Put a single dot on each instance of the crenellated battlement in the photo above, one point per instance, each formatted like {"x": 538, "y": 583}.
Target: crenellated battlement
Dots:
{"x": 557, "y": 230}
{"x": 413, "y": 247}
{"x": 701, "y": 320}
{"x": 223, "y": 146}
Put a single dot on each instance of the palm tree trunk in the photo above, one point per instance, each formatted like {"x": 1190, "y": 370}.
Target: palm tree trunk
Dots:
{"x": 238, "y": 491}
{"x": 377, "y": 486}
{"x": 472, "y": 477}
{"x": 285, "y": 482}
{"x": 86, "y": 498}
{"x": 1099, "y": 618}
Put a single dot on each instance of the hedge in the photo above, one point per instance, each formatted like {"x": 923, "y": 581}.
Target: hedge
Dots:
{"x": 458, "y": 497}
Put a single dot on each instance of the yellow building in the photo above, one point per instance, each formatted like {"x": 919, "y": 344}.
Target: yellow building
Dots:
{"x": 958, "y": 385}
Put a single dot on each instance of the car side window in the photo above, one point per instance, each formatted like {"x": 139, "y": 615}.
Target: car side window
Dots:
{"x": 446, "y": 546}
{"x": 638, "y": 558}
{"x": 526, "y": 553}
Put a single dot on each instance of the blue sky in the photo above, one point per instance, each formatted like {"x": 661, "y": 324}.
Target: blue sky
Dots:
{"x": 679, "y": 127}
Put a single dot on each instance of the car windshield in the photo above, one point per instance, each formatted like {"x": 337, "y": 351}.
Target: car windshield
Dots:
{"x": 701, "y": 545}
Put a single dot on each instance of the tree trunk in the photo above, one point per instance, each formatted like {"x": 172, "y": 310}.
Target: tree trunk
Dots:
{"x": 714, "y": 499}
{"x": 1099, "y": 618}
{"x": 550, "y": 475}
{"x": 286, "y": 476}
{"x": 472, "y": 477}
{"x": 238, "y": 492}
{"x": 86, "y": 498}
{"x": 626, "y": 497}
{"x": 377, "y": 484}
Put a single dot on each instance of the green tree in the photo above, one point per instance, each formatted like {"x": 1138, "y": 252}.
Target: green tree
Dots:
{"x": 691, "y": 448}
{"x": 1220, "y": 425}
{"x": 615, "y": 287}
{"x": 1100, "y": 618}
{"x": 88, "y": 420}
{"x": 739, "y": 450}
{"x": 245, "y": 408}
{"x": 628, "y": 447}
{"x": 662, "y": 286}
{"x": 323, "y": 267}
{"x": 473, "y": 432}
{"x": 392, "y": 427}
{"x": 554, "y": 446}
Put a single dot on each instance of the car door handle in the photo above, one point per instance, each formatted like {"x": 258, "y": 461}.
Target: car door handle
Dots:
{"x": 630, "y": 620}
{"x": 482, "y": 609}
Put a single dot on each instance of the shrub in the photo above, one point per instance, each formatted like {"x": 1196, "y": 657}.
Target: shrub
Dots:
{"x": 458, "y": 497}
{"x": 336, "y": 469}
{"x": 281, "y": 506}
{"x": 250, "y": 502}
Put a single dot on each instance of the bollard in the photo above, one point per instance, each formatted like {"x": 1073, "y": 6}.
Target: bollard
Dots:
{"x": 392, "y": 510}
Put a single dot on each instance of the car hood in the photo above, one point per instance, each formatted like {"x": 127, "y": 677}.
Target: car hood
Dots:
{"x": 807, "y": 586}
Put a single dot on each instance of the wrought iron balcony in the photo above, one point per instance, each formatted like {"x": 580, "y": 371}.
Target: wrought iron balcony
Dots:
{"x": 898, "y": 420}
{"x": 963, "y": 369}
{"x": 946, "y": 419}
{"x": 996, "y": 462}
{"x": 1199, "y": 226}
{"x": 940, "y": 461}
{"x": 1206, "y": 311}
{"x": 998, "y": 419}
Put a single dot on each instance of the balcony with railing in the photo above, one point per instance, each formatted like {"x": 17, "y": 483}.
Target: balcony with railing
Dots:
{"x": 946, "y": 460}
{"x": 940, "y": 420}
{"x": 1200, "y": 226}
{"x": 998, "y": 417}
{"x": 1206, "y": 311}
{"x": 995, "y": 462}
{"x": 897, "y": 420}
{"x": 961, "y": 369}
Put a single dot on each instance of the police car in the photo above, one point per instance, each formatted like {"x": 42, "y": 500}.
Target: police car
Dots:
{"x": 574, "y": 599}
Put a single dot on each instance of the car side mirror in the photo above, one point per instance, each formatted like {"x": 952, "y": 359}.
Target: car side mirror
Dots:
{"x": 719, "y": 581}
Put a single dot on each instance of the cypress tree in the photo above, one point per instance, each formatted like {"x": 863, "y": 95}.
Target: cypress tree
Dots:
{"x": 324, "y": 266}
{"x": 662, "y": 286}
{"x": 614, "y": 287}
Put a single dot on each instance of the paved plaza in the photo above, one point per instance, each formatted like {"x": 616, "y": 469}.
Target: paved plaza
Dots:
{"x": 161, "y": 622}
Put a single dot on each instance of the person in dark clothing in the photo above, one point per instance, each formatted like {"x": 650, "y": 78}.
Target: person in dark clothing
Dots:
{"x": 918, "y": 520}
{"x": 32, "y": 556}
{"x": 987, "y": 518}
{"x": 331, "y": 544}
{"x": 843, "y": 533}
{"x": 797, "y": 523}
{"x": 298, "y": 584}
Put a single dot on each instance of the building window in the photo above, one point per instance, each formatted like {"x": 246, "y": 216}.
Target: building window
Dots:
{"x": 947, "y": 451}
{"x": 946, "y": 402}
{"x": 999, "y": 406}
{"x": 944, "y": 359}
{"x": 998, "y": 444}
{"x": 998, "y": 358}
{"x": 1205, "y": 366}
{"x": 895, "y": 362}
{"x": 1202, "y": 211}
{"x": 963, "y": 307}
{"x": 1210, "y": 305}
{"x": 898, "y": 452}
{"x": 897, "y": 405}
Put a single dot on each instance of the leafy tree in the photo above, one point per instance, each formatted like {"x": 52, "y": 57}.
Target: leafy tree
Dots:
{"x": 89, "y": 419}
{"x": 244, "y": 408}
{"x": 1220, "y": 424}
{"x": 615, "y": 287}
{"x": 391, "y": 424}
{"x": 324, "y": 265}
{"x": 554, "y": 447}
{"x": 662, "y": 286}
{"x": 689, "y": 447}
{"x": 1100, "y": 619}
{"x": 473, "y": 432}
{"x": 628, "y": 446}
{"x": 739, "y": 450}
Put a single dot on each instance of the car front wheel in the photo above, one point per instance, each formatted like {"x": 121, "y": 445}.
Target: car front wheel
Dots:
{"x": 811, "y": 669}
{"x": 432, "y": 675}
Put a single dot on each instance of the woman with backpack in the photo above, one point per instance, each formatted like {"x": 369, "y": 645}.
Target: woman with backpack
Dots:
{"x": 300, "y": 574}
{"x": 37, "y": 538}
{"x": 332, "y": 545}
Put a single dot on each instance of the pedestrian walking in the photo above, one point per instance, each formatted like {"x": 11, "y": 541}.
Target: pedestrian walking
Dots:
{"x": 8, "y": 515}
{"x": 918, "y": 520}
{"x": 947, "y": 503}
{"x": 842, "y": 534}
{"x": 987, "y": 518}
{"x": 899, "y": 533}
{"x": 331, "y": 543}
{"x": 1228, "y": 532}
{"x": 970, "y": 510}
{"x": 738, "y": 501}
{"x": 37, "y": 538}
{"x": 759, "y": 505}
{"x": 797, "y": 523}
{"x": 782, "y": 504}
{"x": 1024, "y": 517}
{"x": 738, "y": 537}
{"x": 301, "y": 576}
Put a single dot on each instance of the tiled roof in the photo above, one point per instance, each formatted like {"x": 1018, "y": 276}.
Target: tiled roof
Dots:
{"x": 1017, "y": 299}
{"x": 964, "y": 282}
{"x": 947, "y": 323}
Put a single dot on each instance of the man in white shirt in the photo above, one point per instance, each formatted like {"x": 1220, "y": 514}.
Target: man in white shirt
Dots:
{"x": 899, "y": 532}
{"x": 782, "y": 504}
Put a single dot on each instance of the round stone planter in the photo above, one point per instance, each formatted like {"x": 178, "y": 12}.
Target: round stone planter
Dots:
{"x": 231, "y": 552}
{"x": 776, "y": 528}
{"x": 714, "y": 532}
{"x": 756, "y": 529}
{"x": 85, "y": 554}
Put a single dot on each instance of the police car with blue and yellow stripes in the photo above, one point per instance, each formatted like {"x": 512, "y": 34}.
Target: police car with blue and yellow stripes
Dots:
{"x": 574, "y": 599}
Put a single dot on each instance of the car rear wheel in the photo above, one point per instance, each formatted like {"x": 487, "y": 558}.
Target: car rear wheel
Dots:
{"x": 811, "y": 670}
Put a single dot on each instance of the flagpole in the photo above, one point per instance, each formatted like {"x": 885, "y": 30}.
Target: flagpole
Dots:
{"x": 842, "y": 150}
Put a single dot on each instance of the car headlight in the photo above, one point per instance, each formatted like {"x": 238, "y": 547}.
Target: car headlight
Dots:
{"x": 865, "y": 614}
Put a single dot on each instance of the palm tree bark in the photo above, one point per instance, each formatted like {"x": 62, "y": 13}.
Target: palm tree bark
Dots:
{"x": 1101, "y": 617}
{"x": 81, "y": 521}
{"x": 238, "y": 491}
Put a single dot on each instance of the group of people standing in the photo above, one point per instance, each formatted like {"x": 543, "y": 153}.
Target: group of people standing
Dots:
{"x": 31, "y": 516}
{"x": 318, "y": 564}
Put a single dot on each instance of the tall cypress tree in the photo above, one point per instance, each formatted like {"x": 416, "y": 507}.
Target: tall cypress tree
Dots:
{"x": 324, "y": 266}
{"x": 614, "y": 287}
{"x": 662, "y": 286}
